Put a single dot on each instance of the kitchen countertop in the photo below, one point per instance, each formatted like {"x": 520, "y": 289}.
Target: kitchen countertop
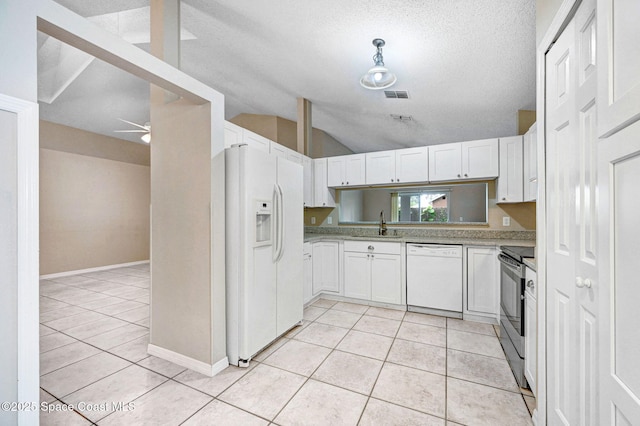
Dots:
{"x": 530, "y": 262}
{"x": 425, "y": 240}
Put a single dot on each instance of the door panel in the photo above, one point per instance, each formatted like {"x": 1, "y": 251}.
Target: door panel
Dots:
{"x": 289, "y": 269}
{"x": 619, "y": 50}
{"x": 572, "y": 192}
{"x": 357, "y": 275}
{"x": 386, "y": 279}
{"x": 619, "y": 171}
{"x": 412, "y": 165}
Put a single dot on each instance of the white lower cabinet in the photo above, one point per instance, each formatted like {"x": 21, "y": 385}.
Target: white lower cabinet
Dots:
{"x": 357, "y": 275}
{"x": 373, "y": 271}
{"x": 325, "y": 267}
{"x": 386, "y": 278}
{"x": 483, "y": 282}
{"x": 530, "y": 330}
{"x": 307, "y": 273}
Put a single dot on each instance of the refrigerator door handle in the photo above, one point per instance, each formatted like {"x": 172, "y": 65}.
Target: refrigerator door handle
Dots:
{"x": 276, "y": 232}
{"x": 280, "y": 222}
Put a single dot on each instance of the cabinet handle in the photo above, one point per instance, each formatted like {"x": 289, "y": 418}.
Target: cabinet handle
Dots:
{"x": 372, "y": 256}
{"x": 347, "y": 183}
{"x": 391, "y": 180}
{"x": 530, "y": 284}
{"x": 343, "y": 183}
{"x": 397, "y": 180}
{"x": 504, "y": 198}
{"x": 324, "y": 204}
{"x": 458, "y": 175}
{"x": 370, "y": 248}
{"x": 466, "y": 175}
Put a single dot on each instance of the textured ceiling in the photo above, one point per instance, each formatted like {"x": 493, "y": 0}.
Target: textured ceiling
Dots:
{"x": 468, "y": 66}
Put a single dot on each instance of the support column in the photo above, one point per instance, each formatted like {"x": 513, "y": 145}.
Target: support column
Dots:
{"x": 165, "y": 31}
{"x": 305, "y": 128}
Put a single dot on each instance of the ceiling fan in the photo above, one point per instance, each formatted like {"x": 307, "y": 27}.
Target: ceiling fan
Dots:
{"x": 146, "y": 129}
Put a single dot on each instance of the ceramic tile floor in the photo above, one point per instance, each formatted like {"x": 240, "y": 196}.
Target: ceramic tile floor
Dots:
{"x": 347, "y": 364}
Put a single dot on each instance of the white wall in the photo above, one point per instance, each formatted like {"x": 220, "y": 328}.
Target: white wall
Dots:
{"x": 8, "y": 268}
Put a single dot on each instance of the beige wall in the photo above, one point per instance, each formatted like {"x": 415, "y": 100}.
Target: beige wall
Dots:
{"x": 181, "y": 314}
{"x": 526, "y": 119}
{"x": 284, "y": 132}
{"x": 94, "y": 207}
{"x": 545, "y": 12}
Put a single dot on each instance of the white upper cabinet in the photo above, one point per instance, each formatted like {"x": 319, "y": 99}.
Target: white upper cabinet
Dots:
{"x": 510, "y": 187}
{"x": 445, "y": 162}
{"x": 256, "y": 141}
{"x": 307, "y": 184}
{"x": 530, "y": 178}
{"x": 277, "y": 149}
{"x": 464, "y": 160}
{"x": 323, "y": 196}
{"x": 232, "y": 134}
{"x": 618, "y": 64}
{"x": 480, "y": 159}
{"x": 399, "y": 166}
{"x": 346, "y": 170}
{"x": 284, "y": 152}
{"x": 412, "y": 165}
{"x": 380, "y": 167}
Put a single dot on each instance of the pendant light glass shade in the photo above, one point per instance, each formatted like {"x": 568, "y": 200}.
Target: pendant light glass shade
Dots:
{"x": 379, "y": 76}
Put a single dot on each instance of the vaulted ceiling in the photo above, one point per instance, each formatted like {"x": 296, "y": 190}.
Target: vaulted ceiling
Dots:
{"x": 468, "y": 66}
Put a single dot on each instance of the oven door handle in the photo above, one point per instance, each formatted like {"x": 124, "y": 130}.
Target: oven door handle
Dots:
{"x": 510, "y": 263}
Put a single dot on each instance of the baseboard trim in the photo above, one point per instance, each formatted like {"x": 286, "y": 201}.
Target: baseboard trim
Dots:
{"x": 96, "y": 269}
{"x": 188, "y": 362}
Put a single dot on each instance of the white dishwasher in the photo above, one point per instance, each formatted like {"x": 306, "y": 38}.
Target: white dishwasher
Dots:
{"x": 434, "y": 278}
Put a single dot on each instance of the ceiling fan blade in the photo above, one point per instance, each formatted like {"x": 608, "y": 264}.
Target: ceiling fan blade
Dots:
{"x": 131, "y": 131}
{"x": 134, "y": 124}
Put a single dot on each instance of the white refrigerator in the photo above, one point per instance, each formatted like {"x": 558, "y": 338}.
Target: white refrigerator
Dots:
{"x": 264, "y": 262}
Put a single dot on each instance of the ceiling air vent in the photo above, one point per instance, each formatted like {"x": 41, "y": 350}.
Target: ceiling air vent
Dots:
{"x": 401, "y": 117}
{"x": 396, "y": 94}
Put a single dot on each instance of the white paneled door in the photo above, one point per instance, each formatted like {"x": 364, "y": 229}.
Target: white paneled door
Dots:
{"x": 618, "y": 159}
{"x": 619, "y": 169}
{"x": 572, "y": 229}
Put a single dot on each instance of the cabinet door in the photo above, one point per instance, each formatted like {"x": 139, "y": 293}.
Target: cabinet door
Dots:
{"x": 325, "y": 267}
{"x": 294, "y": 156}
{"x": 510, "y": 185}
{"x": 618, "y": 62}
{"x": 232, "y": 134}
{"x": 307, "y": 184}
{"x": 386, "y": 278}
{"x": 445, "y": 162}
{"x": 483, "y": 286}
{"x": 530, "y": 341}
{"x": 530, "y": 165}
{"x": 480, "y": 159}
{"x": 278, "y": 150}
{"x": 322, "y": 195}
{"x": 412, "y": 165}
{"x": 256, "y": 141}
{"x": 357, "y": 275}
{"x": 380, "y": 167}
{"x": 355, "y": 169}
{"x": 335, "y": 171}
{"x": 307, "y": 265}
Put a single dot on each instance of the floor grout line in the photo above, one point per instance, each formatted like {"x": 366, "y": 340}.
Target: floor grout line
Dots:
{"x": 307, "y": 378}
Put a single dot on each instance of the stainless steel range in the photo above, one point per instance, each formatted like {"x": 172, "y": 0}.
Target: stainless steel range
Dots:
{"x": 512, "y": 285}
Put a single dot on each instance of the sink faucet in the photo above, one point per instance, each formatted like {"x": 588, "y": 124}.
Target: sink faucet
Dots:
{"x": 382, "y": 227}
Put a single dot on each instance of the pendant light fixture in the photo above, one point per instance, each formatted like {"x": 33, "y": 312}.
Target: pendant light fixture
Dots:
{"x": 379, "y": 76}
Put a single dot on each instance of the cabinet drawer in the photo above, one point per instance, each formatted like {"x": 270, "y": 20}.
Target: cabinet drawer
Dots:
{"x": 378, "y": 247}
